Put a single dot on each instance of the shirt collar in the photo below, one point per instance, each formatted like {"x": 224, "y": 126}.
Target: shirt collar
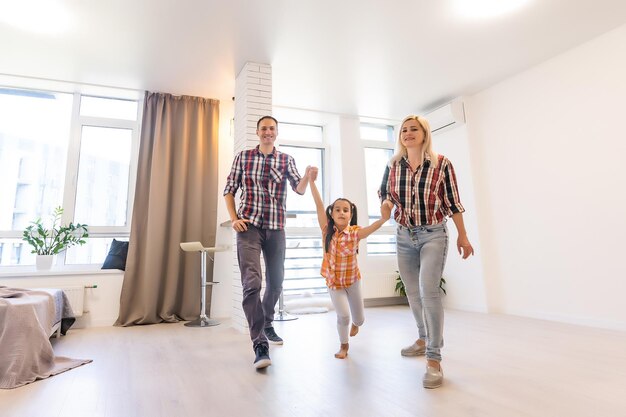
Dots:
{"x": 345, "y": 231}
{"x": 405, "y": 160}
{"x": 273, "y": 153}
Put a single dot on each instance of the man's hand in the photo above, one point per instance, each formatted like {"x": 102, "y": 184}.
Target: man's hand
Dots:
{"x": 240, "y": 225}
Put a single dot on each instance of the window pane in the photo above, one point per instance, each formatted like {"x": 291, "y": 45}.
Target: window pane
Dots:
{"x": 375, "y": 160}
{"x": 303, "y": 206}
{"x": 378, "y": 244}
{"x": 15, "y": 252}
{"x": 301, "y": 133}
{"x": 107, "y": 107}
{"x": 382, "y": 133}
{"x": 94, "y": 251}
{"x": 303, "y": 259}
{"x": 34, "y": 137}
{"x": 103, "y": 172}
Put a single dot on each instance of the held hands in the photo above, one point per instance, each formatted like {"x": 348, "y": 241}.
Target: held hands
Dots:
{"x": 311, "y": 173}
{"x": 464, "y": 246}
{"x": 385, "y": 210}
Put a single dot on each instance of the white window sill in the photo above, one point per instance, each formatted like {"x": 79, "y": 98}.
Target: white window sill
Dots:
{"x": 32, "y": 272}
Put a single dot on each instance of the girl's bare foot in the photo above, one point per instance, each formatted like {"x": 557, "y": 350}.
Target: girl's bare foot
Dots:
{"x": 343, "y": 351}
{"x": 354, "y": 330}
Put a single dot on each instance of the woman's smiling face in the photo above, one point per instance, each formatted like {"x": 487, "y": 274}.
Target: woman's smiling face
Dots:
{"x": 412, "y": 133}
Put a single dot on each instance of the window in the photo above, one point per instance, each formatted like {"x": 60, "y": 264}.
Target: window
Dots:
{"x": 303, "y": 257}
{"x": 378, "y": 149}
{"x": 70, "y": 150}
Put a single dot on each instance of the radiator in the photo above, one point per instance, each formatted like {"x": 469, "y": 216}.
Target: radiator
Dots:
{"x": 76, "y": 295}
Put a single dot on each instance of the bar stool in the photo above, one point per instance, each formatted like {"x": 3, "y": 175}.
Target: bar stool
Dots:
{"x": 203, "y": 320}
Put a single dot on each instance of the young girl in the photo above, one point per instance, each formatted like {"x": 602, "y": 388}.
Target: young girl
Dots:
{"x": 341, "y": 236}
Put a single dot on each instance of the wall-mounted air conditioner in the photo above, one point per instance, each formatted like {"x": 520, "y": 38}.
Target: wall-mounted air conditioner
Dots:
{"x": 446, "y": 117}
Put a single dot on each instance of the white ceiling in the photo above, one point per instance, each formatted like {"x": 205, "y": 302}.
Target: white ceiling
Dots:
{"x": 362, "y": 57}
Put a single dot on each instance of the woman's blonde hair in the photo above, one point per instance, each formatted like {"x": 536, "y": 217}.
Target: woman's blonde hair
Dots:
{"x": 427, "y": 146}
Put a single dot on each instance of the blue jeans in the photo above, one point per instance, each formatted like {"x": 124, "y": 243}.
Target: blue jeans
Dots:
{"x": 260, "y": 313}
{"x": 422, "y": 254}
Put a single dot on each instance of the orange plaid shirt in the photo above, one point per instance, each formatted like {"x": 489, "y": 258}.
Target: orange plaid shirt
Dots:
{"x": 339, "y": 265}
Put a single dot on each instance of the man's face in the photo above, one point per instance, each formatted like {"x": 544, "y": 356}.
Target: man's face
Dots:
{"x": 267, "y": 132}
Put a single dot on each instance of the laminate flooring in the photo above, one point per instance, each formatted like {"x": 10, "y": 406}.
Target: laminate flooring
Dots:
{"x": 494, "y": 365}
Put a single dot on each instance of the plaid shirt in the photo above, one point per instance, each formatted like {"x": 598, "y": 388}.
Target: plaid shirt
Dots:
{"x": 423, "y": 198}
{"x": 339, "y": 265}
{"x": 263, "y": 181}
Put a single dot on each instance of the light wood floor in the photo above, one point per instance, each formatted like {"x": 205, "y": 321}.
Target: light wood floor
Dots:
{"x": 494, "y": 365}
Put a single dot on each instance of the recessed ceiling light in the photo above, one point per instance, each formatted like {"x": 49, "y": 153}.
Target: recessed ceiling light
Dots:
{"x": 39, "y": 16}
{"x": 480, "y": 9}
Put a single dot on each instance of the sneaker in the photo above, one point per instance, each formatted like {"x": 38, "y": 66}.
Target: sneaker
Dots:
{"x": 272, "y": 336}
{"x": 433, "y": 378}
{"x": 262, "y": 359}
{"x": 414, "y": 350}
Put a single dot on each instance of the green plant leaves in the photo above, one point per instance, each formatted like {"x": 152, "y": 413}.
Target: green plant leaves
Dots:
{"x": 57, "y": 238}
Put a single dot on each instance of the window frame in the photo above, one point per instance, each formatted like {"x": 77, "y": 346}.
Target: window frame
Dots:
{"x": 386, "y": 229}
{"x": 313, "y": 232}
{"x": 77, "y": 123}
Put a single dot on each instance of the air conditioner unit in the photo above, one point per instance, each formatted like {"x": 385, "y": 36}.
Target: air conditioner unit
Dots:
{"x": 446, "y": 117}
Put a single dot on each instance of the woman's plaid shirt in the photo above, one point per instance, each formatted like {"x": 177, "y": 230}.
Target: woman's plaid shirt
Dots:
{"x": 263, "y": 180}
{"x": 422, "y": 198}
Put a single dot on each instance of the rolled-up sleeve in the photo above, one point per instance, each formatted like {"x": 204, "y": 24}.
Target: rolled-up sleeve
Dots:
{"x": 234, "y": 178}
{"x": 292, "y": 174}
{"x": 451, "y": 199}
{"x": 383, "y": 190}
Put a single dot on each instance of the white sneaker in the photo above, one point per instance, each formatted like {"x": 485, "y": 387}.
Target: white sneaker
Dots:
{"x": 433, "y": 378}
{"x": 414, "y": 350}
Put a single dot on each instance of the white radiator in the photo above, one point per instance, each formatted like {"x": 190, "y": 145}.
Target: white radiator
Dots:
{"x": 76, "y": 296}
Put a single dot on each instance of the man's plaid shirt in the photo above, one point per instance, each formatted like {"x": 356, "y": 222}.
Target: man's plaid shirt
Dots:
{"x": 263, "y": 180}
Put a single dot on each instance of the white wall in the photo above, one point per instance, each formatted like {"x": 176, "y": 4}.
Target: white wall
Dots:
{"x": 101, "y": 304}
{"x": 464, "y": 278}
{"x": 547, "y": 148}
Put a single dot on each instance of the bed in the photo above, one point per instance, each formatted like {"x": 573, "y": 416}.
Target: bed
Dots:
{"x": 28, "y": 318}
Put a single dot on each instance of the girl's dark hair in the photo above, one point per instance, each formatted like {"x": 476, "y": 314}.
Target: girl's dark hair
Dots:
{"x": 331, "y": 223}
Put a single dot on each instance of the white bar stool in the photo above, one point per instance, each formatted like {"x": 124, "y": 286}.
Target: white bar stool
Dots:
{"x": 203, "y": 320}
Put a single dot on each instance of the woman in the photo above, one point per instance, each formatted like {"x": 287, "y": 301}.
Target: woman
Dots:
{"x": 422, "y": 186}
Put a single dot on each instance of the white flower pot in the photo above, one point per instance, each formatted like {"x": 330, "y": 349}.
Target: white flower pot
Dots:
{"x": 44, "y": 262}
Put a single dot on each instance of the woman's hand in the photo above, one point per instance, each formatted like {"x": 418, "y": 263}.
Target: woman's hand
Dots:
{"x": 464, "y": 246}
{"x": 385, "y": 210}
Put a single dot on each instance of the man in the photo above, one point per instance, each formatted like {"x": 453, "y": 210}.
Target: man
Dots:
{"x": 262, "y": 174}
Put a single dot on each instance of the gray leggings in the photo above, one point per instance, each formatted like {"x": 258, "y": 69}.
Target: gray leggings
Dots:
{"x": 346, "y": 301}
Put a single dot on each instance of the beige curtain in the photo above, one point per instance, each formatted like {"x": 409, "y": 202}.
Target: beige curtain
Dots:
{"x": 175, "y": 201}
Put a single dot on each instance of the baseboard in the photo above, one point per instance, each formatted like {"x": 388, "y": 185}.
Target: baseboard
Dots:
{"x": 385, "y": 301}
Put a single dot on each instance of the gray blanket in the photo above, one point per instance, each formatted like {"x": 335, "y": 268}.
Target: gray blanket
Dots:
{"x": 26, "y": 320}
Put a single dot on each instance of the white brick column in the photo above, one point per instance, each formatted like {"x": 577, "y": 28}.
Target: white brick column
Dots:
{"x": 253, "y": 100}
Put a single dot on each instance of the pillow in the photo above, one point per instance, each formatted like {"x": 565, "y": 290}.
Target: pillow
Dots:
{"x": 116, "y": 259}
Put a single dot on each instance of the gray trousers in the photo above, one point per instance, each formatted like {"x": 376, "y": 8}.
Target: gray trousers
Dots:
{"x": 346, "y": 301}
{"x": 250, "y": 244}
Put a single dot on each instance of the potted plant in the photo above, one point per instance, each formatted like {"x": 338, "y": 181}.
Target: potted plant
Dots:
{"x": 401, "y": 290}
{"x": 48, "y": 242}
